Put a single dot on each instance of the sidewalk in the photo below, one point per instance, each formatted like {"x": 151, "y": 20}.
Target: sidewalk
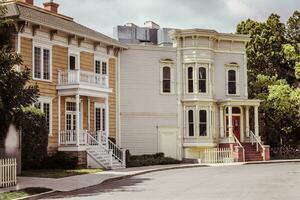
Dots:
{"x": 87, "y": 180}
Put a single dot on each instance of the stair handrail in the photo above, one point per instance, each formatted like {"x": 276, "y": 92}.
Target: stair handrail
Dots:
{"x": 117, "y": 152}
{"x": 240, "y": 145}
{"x": 256, "y": 139}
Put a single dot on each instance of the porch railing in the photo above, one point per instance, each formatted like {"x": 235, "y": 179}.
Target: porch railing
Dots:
{"x": 254, "y": 139}
{"x": 71, "y": 77}
{"x": 218, "y": 155}
{"x": 93, "y": 139}
{"x": 8, "y": 172}
{"x": 69, "y": 137}
{"x": 240, "y": 145}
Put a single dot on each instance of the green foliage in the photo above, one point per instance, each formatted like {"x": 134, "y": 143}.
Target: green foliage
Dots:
{"x": 59, "y": 160}
{"x": 149, "y": 159}
{"x": 34, "y": 138}
{"x": 15, "y": 93}
{"x": 273, "y": 73}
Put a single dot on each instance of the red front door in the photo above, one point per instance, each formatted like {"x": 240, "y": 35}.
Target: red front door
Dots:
{"x": 236, "y": 126}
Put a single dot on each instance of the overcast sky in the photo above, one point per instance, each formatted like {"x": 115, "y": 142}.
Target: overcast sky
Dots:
{"x": 221, "y": 15}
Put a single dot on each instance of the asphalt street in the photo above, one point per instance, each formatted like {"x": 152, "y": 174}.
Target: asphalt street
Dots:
{"x": 247, "y": 182}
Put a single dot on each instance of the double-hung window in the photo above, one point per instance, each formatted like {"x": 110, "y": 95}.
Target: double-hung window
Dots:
{"x": 45, "y": 105}
{"x": 197, "y": 122}
{"x": 101, "y": 67}
{"x": 167, "y": 77}
{"x": 190, "y": 76}
{"x": 202, "y": 123}
{"x": 166, "y": 82}
{"x": 42, "y": 63}
{"x": 232, "y": 79}
{"x": 191, "y": 123}
{"x": 202, "y": 80}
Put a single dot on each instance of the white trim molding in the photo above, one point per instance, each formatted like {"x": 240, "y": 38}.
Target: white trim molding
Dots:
{"x": 42, "y": 46}
{"x": 167, "y": 63}
{"x": 234, "y": 67}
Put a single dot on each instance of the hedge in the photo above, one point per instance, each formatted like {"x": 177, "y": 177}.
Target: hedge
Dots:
{"x": 148, "y": 159}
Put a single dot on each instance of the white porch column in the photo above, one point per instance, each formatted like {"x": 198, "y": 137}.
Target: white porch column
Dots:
{"x": 256, "y": 125}
{"x": 230, "y": 121}
{"x": 89, "y": 113}
{"x": 59, "y": 113}
{"x": 247, "y": 122}
{"x": 107, "y": 119}
{"x": 222, "y": 133}
{"x": 77, "y": 118}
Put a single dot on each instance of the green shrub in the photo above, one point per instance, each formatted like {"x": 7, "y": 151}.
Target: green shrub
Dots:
{"x": 60, "y": 160}
{"x": 148, "y": 159}
{"x": 34, "y": 138}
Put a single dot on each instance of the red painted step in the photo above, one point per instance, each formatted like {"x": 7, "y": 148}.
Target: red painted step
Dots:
{"x": 250, "y": 153}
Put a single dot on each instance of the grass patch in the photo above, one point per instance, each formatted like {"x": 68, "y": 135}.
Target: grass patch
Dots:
{"x": 22, "y": 193}
{"x": 58, "y": 173}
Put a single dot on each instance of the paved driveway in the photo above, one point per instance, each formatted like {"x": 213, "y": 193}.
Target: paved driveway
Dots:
{"x": 253, "y": 182}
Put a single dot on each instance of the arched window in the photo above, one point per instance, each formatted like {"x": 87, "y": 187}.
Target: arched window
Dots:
{"x": 202, "y": 80}
{"x": 231, "y": 81}
{"x": 191, "y": 123}
{"x": 190, "y": 80}
{"x": 202, "y": 123}
{"x": 166, "y": 86}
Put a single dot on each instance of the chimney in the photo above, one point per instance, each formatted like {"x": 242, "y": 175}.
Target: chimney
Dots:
{"x": 51, "y": 6}
{"x": 27, "y": 1}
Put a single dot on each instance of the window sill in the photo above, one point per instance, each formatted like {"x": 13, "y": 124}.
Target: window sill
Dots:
{"x": 42, "y": 80}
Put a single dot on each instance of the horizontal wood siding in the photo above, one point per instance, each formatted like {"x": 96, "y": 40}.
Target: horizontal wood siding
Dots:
{"x": 112, "y": 97}
{"x": 48, "y": 88}
{"x": 87, "y": 61}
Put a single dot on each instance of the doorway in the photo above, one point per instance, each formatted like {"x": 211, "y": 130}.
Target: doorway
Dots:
{"x": 236, "y": 122}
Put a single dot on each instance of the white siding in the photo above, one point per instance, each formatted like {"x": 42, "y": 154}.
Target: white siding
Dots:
{"x": 142, "y": 107}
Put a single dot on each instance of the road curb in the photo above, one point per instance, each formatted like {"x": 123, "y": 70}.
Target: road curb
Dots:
{"x": 149, "y": 171}
{"x": 272, "y": 162}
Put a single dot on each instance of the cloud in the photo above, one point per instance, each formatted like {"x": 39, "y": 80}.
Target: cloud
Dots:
{"x": 221, "y": 15}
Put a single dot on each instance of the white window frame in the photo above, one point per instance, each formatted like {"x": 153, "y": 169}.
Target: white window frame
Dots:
{"x": 196, "y": 67}
{"x": 187, "y": 79}
{"x": 77, "y": 56}
{"x": 187, "y": 121}
{"x": 41, "y": 100}
{"x": 101, "y": 60}
{"x": 206, "y": 66}
{"x": 73, "y": 100}
{"x": 196, "y": 110}
{"x": 102, "y": 106}
{"x": 237, "y": 75}
{"x": 42, "y": 46}
{"x": 172, "y": 78}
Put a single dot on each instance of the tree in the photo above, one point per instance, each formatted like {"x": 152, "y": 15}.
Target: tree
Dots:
{"x": 15, "y": 92}
{"x": 274, "y": 72}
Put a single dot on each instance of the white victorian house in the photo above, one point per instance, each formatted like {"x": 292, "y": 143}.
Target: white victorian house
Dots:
{"x": 189, "y": 99}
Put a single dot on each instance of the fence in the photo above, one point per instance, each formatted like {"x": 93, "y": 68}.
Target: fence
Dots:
{"x": 218, "y": 155}
{"x": 8, "y": 172}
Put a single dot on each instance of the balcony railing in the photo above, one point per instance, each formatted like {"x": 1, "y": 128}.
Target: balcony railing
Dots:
{"x": 72, "y": 77}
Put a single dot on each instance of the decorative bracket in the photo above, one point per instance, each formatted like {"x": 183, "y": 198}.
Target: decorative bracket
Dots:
{"x": 34, "y": 28}
{"x": 19, "y": 26}
{"x": 95, "y": 45}
{"x": 79, "y": 40}
{"x": 52, "y": 33}
{"x": 70, "y": 37}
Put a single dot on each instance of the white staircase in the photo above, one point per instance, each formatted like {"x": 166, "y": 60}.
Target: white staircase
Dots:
{"x": 104, "y": 152}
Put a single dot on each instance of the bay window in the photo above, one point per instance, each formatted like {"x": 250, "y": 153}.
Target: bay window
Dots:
{"x": 190, "y": 79}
